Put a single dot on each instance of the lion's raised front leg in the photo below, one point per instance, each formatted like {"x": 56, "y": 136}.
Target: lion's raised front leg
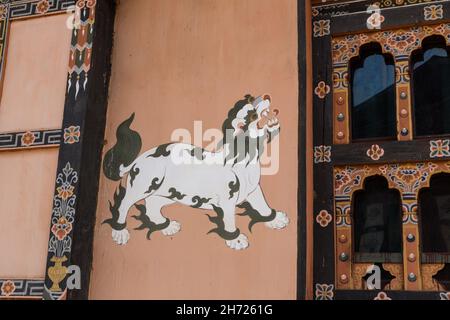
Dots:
{"x": 259, "y": 211}
{"x": 226, "y": 226}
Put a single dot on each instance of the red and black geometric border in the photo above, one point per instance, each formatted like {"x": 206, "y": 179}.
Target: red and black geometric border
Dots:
{"x": 13, "y": 288}
{"x": 30, "y": 139}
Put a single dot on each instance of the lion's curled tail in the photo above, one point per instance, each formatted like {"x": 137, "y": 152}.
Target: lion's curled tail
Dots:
{"x": 125, "y": 151}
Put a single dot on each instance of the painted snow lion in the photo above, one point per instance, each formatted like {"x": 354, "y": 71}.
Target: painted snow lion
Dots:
{"x": 218, "y": 181}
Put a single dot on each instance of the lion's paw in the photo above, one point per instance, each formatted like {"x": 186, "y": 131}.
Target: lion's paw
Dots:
{"x": 240, "y": 243}
{"x": 280, "y": 222}
{"x": 173, "y": 228}
{"x": 121, "y": 237}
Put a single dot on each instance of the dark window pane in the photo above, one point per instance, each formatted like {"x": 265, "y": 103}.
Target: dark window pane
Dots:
{"x": 434, "y": 206}
{"x": 373, "y": 94}
{"x": 431, "y": 83}
{"x": 377, "y": 218}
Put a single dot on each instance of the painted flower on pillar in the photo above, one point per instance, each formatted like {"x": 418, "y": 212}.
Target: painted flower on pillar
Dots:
{"x": 322, "y": 154}
{"x": 42, "y": 6}
{"x": 8, "y": 288}
{"x": 65, "y": 191}
{"x": 322, "y": 90}
{"x": 315, "y": 12}
{"x": 28, "y": 139}
{"x": 375, "y": 152}
{"x": 324, "y": 291}
{"x": 321, "y": 28}
{"x": 382, "y": 296}
{"x": 72, "y": 135}
{"x": 375, "y": 21}
{"x": 86, "y": 3}
{"x": 445, "y": 295}
{"x": 3, "y": 12}
{"x": 61, "y": 228}
{"x": 324, "y": 218}
{"x": 439, "y": 148}
{"x": 433, "y": 12}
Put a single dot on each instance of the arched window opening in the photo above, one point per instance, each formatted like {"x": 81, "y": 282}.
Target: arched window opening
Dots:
{"x": 431, "y": 86}
{"x": 373, "y": 103}
{"x": 377, "y": 219}
{"x": 434, "y": 213}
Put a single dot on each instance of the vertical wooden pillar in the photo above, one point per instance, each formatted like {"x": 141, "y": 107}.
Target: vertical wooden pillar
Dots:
{"x": 404, "y": 108}
{"x": 75, "y": 198}
{"x": 303, "y": 9}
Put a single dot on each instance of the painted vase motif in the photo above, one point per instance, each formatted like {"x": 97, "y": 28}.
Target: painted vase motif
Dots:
{"x": 57, "y": 273}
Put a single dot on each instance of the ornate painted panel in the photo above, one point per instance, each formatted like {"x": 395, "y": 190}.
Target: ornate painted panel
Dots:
{"x": 342, "y": 30}
{"x": 31, "y": 114}
{"x": 76, "y": 20}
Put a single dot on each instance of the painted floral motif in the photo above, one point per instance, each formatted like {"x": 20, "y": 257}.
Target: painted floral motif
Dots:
{"x": 433, "y": 12}
{"x": 86, "y": 3}
{"x": 375, "y": 152}
{"x": 341, "y": 178}
{"x": 445, "y": 295}
{"x": 348, "y": 178}
{"x": 399, "y": 43}
{"x": 8, "y": 288}
{"x": 324, "y": 218}
{"x": 315, "y": 12}
{"x": 63, "y": 211}
{"x": 324, "y": 291}
{"x": 408, "y": 178}
{"x": 28, "y": 139}
{"x": 375, "y": 21}
{"x": 322, "y": 90}
{"x": 42, "y": 6}
{"x": 439, "y": 148}
{"x": 397, "y": 3}
{"x": 401, "y": 40}
{"x": 382, "y": 296}
{"x": 72, "y": 135}
{"x": 322, "y": 154}
{"x": 65, "y": 191}
{"x": 321, "y": 28}
{"x": 62, "y": 228}
{"x": 3, "y": 12}
{"x": 408, "y": 174}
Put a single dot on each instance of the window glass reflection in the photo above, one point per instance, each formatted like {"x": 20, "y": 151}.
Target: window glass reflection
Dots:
{"x": 373, "y": 94}
{"x": 431, "y": 84}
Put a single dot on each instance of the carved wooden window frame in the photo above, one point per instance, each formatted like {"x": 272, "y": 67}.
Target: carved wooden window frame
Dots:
{"x": 409, "y": 179}
{"x": 333, "y": 150}
{"x": 399, "y": 43}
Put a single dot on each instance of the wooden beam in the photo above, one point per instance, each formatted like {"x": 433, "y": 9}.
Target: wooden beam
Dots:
{"x": 77, "y": 183}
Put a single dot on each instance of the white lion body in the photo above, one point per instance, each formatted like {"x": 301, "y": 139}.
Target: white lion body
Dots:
{"x": 208, "y": 178}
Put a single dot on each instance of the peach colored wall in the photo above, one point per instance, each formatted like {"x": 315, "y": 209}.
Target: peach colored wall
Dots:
{"x": 35, "y": 77}
{"x": 175, "y": 62}
{"x": 32, "y": 98}
{"x": 26, "y": 192}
